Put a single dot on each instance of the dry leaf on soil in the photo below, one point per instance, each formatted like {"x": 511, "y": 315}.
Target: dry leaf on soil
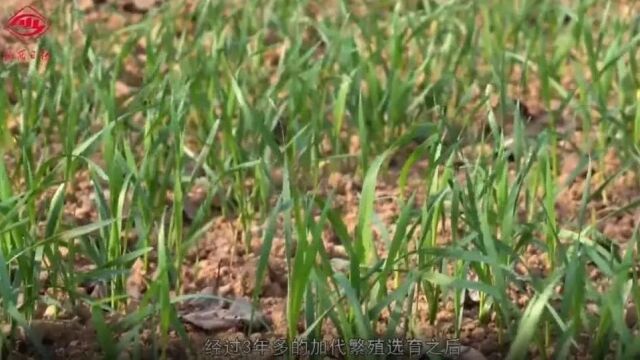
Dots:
{"x": 215, "y": 317}
{"x": 136, "y": 284}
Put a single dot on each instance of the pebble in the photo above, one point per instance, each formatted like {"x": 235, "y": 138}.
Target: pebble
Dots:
{"x": 488, "y": 346}
{"x": 469, "y": 353}
{"x": 50, "y": 312}
{"x": 84, "y": 5}
{"x": 631, "y": 316}
{"x": 144, "y": 4}
{"x": 339, "y": 251}
{"x": 444, "y": 316}
{"x": 478, "y": 333}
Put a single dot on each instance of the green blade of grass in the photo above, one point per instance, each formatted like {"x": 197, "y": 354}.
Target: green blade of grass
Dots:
{"x": 530, "y": 320}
